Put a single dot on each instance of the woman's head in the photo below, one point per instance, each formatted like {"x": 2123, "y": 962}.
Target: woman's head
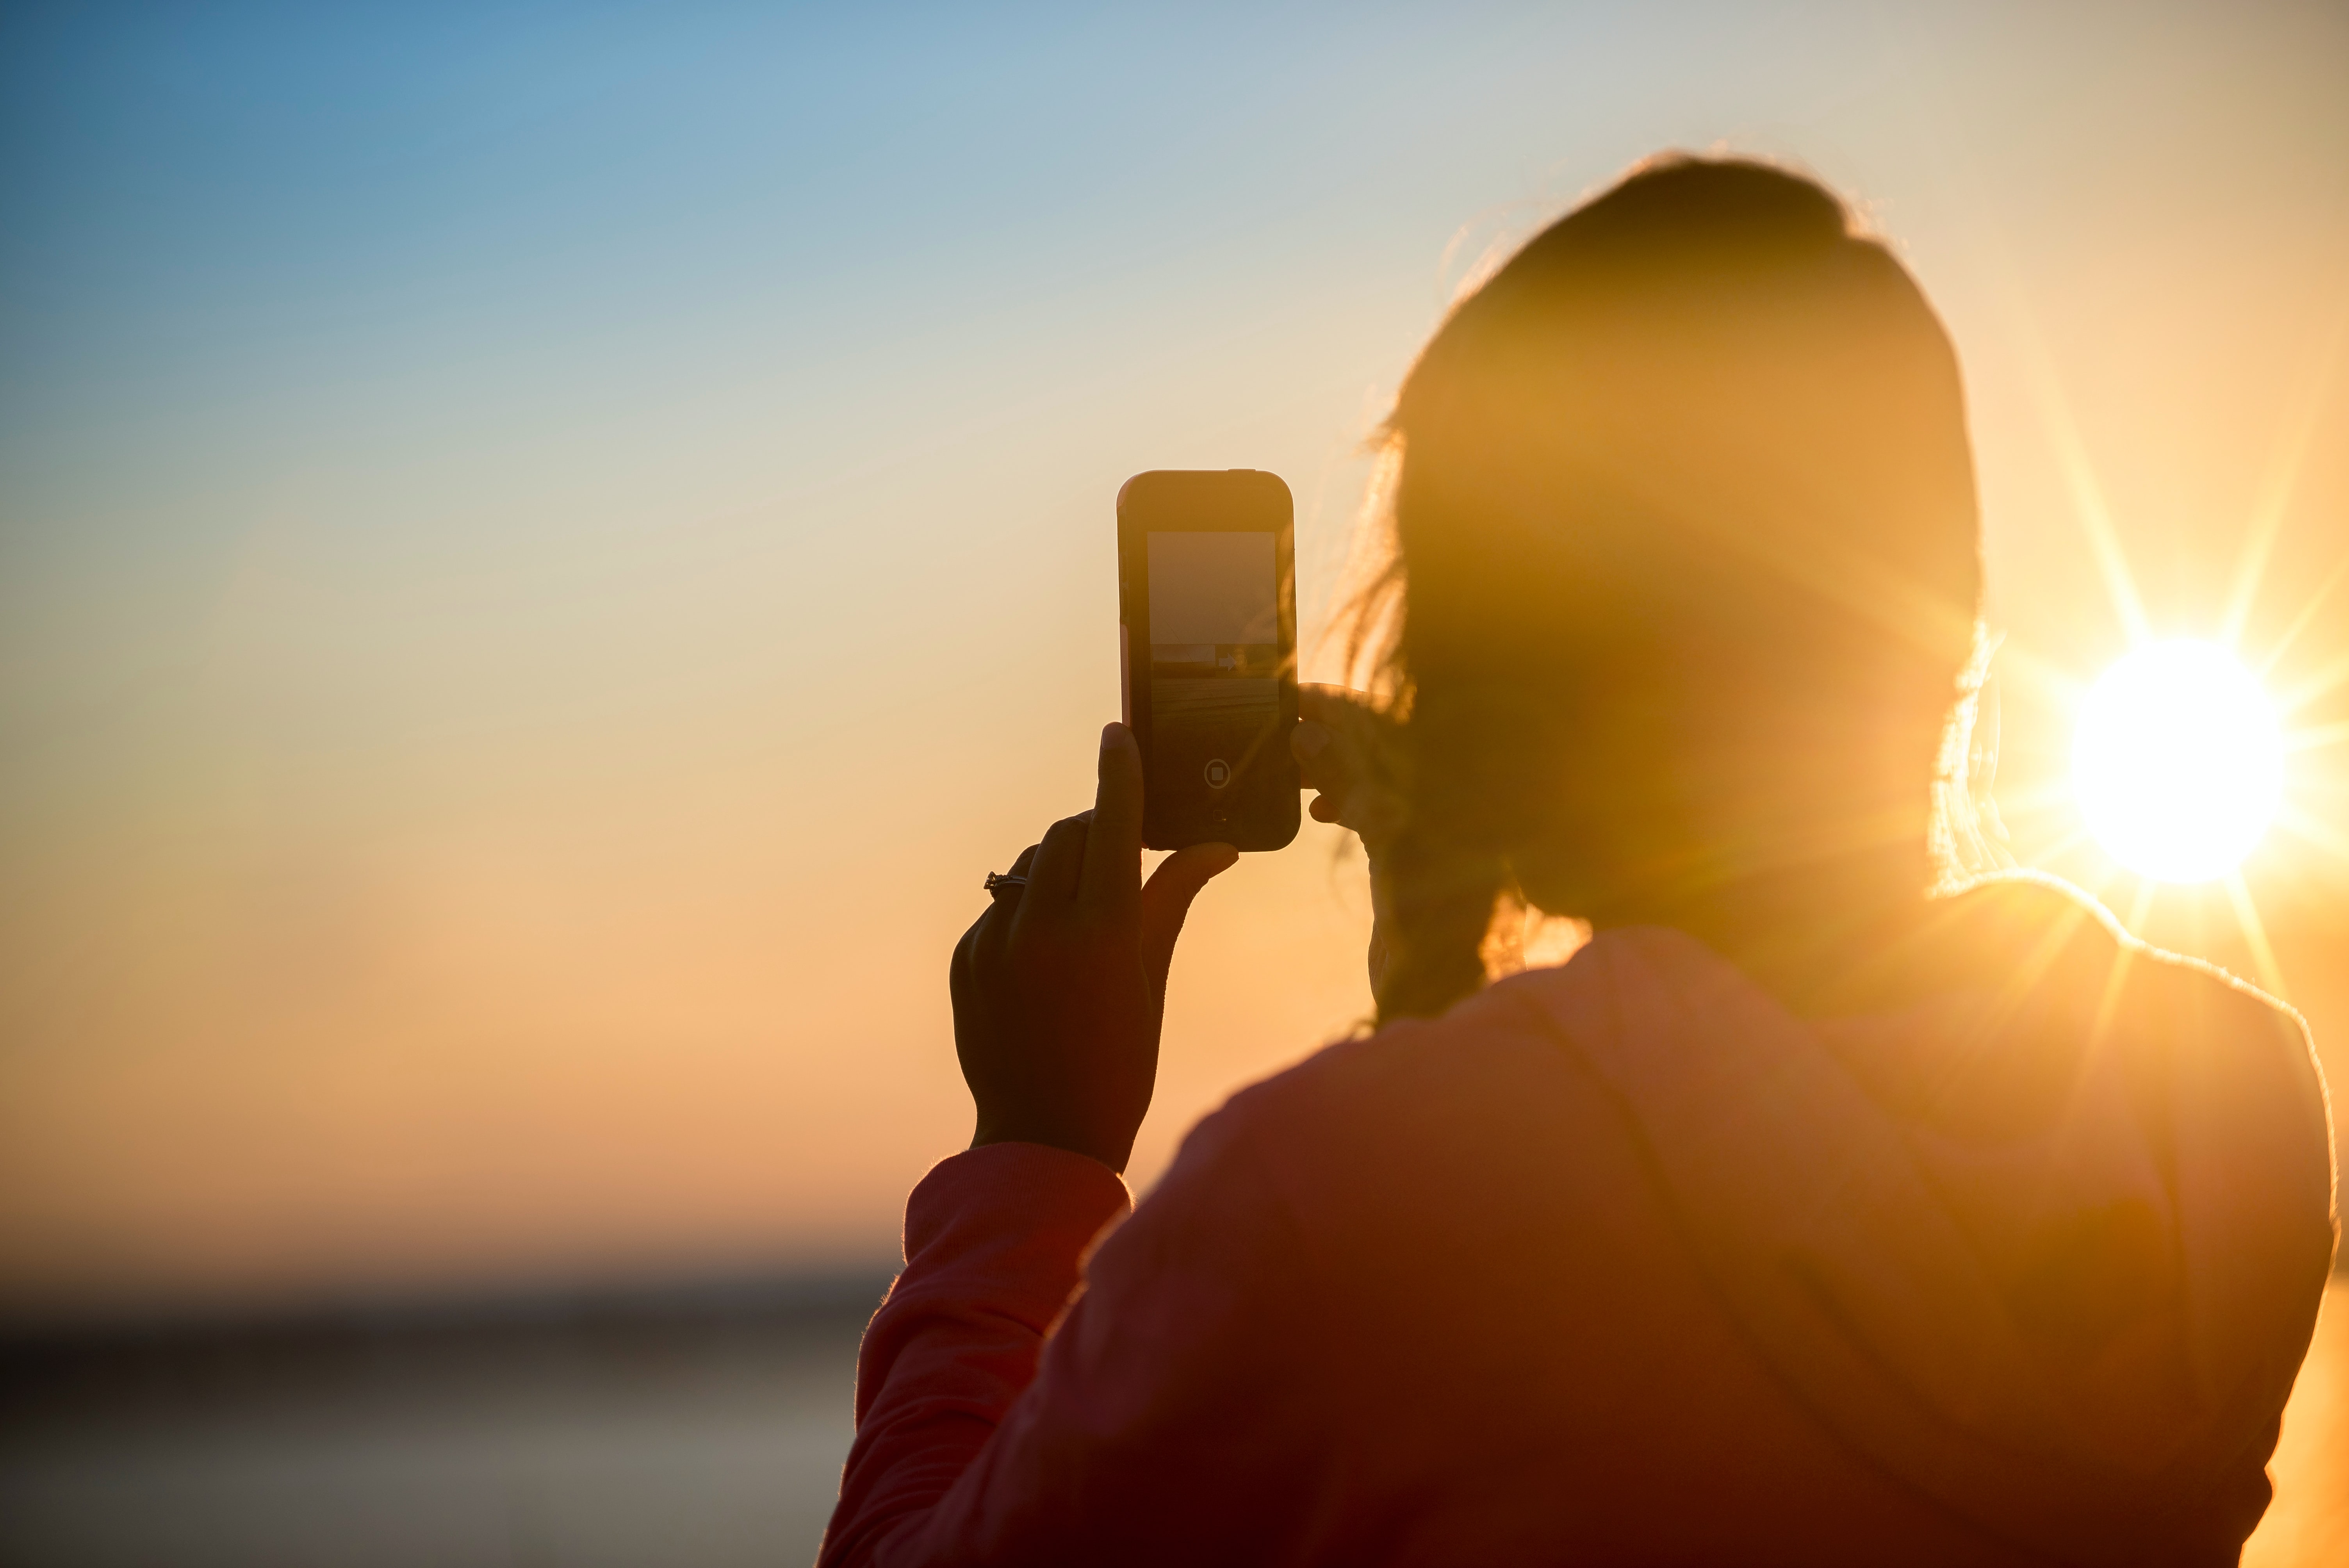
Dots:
{"x": 1686, "y": 537}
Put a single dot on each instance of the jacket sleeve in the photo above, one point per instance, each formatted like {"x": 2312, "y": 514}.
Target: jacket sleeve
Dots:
{"x": 1170, "y": 1416}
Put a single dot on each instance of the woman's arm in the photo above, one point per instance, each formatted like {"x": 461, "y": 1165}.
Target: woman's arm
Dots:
{"x": 1179, "y": 1412}
{"x": 1058, "y": 987}
{"x": 993, "y": 1238}
{"x": 1174, "y": 1413}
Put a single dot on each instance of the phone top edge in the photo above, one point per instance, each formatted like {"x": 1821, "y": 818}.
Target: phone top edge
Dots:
{"x": 1157, "y": 489}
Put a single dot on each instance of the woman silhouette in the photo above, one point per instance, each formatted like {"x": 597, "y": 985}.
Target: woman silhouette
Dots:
{"x": 1834, "y": 1202}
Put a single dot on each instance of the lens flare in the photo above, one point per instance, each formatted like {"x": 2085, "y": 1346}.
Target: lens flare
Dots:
{"x": 2178, "y": 761}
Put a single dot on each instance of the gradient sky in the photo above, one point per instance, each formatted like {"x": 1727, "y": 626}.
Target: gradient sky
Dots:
{"x": 544, "y": 551}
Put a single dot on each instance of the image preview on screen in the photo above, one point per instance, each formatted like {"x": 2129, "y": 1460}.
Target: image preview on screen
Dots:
{"x": 1214, "y": 651}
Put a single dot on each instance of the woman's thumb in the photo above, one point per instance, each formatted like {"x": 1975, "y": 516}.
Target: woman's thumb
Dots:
{"x": 1166, "y": 899}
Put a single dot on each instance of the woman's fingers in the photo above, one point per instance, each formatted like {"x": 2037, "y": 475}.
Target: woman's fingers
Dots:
{"x": 1314, "y": 697}
{"x": 992, "y": 930}
{"x": 962, "y": 970}
{"x": 1020, "y": 865}
{"x": 1342, "y": 745}
{"x": 1094, "y": 860}
{"x": 1339, "y": 708}
{"x": 1166, "y": 900}
{"x": 1334, "y": 728}
{"x": 1321, "y": 713}
{"x": 1112, "y": 867}
{"x": 1319, "y": 760}
{"x": 1059, "y": 861}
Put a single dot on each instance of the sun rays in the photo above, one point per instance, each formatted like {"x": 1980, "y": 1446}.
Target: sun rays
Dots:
{"x": 2186, "y": 754}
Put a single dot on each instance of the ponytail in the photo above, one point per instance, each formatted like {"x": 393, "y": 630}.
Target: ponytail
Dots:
{"x": 1442, "y": 899}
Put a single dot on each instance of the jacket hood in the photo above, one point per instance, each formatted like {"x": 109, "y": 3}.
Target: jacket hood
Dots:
{"x": 2049, "y": 1246}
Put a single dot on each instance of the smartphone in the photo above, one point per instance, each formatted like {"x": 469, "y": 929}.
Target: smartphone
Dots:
{"x": 1207, "y": 631}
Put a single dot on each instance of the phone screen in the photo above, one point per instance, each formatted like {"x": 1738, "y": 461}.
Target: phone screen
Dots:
{"x": 1214, "y": 651}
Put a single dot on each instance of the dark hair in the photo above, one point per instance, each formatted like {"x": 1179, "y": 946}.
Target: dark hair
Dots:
{"x": 1686, "y": 545}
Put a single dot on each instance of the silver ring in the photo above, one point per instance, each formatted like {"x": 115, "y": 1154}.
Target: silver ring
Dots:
{"x": 998, "y": 880}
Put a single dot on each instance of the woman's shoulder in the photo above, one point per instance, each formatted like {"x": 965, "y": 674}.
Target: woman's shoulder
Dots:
{"x": 1505, "y": 1049}
{"x": 1429, "y": 1135}
{"x": 1410, "y": 1067}
{"x": 2031, "y": 934}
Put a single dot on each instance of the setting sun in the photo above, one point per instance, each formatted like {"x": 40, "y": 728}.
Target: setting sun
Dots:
{"x": 2177, "y": 762}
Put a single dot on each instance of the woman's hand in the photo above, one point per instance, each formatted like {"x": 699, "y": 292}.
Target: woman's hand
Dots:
{"x": 1058, "y": 987}
{"x": 1347, "y": 749}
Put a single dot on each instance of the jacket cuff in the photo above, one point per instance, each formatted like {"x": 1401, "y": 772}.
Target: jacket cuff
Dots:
{"x": 1016, "y": 1216}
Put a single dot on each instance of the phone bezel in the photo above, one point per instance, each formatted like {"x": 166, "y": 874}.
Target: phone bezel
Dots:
{"x": 1207, "y": 501}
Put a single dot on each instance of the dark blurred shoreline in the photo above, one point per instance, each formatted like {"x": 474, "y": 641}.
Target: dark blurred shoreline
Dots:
{"x": 33, "y": 1336}
{"x": 57, "y": 1357}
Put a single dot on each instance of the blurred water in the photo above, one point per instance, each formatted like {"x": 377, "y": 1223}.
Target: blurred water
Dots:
{"x": 689, "y": 1439}
{"x": 695, "y": 1439}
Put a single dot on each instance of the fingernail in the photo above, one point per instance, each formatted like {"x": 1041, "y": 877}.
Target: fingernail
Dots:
{"x": 1109, "y": 734}
{"x": 1311, "y": 740}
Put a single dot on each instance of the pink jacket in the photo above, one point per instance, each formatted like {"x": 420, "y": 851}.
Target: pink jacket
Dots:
{"x": 1622, "y": 1263}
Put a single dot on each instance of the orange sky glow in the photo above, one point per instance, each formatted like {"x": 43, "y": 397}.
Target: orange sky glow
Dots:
{"x": 541, "y": 566}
